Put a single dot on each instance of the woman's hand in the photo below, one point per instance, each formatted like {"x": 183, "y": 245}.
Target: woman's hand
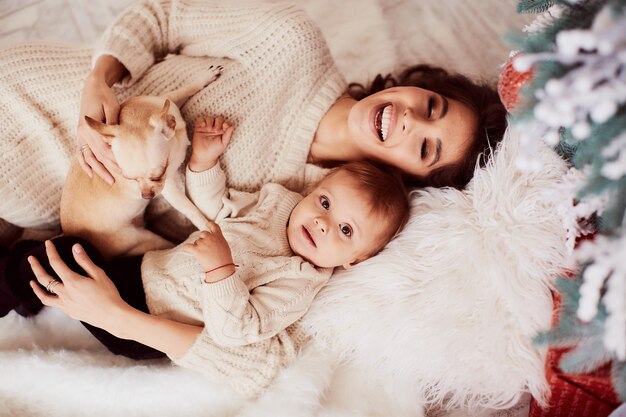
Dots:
{"x": 92, "y": 299}
{"x": 213, "y": 253}
{"x": 98, "y": 102}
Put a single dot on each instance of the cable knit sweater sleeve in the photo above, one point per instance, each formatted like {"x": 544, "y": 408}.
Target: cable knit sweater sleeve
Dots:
{"x": 236, "y": 316}
{"x": 149, "y": 30}
{"x": 207, "y": 190}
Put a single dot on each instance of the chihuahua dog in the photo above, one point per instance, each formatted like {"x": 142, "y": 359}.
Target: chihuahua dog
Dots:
{"x": 149, "y": 144}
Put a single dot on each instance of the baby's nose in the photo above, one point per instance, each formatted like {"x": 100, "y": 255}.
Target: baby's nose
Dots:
{"x": 321, "y": 225}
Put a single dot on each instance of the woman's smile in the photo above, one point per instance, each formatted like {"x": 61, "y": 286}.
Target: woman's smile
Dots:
{"x": 384, "y": 121}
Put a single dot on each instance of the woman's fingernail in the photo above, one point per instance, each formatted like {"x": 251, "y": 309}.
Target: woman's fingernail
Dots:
{"x": 77, "y": 248}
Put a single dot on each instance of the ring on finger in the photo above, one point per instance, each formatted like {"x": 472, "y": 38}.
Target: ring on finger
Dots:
{"x": 84, "y": 148}
{"x": 53, "y": 287}
{"x": 51, "y": 284}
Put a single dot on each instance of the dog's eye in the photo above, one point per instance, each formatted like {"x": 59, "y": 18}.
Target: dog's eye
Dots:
{"x": 159, "y": 174}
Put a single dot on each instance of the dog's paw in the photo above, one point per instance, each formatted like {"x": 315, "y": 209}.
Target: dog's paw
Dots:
{"x": 212, "y": 74}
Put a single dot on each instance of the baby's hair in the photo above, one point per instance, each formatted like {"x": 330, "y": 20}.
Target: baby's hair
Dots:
{"x": 387, "y": 193}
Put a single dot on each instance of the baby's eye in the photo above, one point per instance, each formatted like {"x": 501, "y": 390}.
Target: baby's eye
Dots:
{"x": 345, "y": 229}
{"x": 325, "y": 202}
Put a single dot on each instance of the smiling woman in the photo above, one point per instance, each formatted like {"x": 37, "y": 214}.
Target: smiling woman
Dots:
{"x": 312, "y": 117}
{"x": 442, "y": 123}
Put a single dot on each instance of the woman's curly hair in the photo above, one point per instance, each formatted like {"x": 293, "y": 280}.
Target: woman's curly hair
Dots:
{"x": 481, "y": 99}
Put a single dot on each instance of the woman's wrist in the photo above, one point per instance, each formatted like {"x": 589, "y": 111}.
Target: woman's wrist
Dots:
{"x": 108, "y": 70}
{"x": 168, "y": 336}
{"x": 118, "y": 319}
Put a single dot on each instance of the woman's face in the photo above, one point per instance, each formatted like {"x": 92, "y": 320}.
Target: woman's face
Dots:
{"x": 411, "y": 128}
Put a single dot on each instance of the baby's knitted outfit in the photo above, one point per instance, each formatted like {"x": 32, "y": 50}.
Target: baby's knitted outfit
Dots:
{"x": 249, "y": 317}
{"x": 278, "y": 80}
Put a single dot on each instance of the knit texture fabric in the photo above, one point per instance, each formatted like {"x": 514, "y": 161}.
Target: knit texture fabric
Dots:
{"x": 278, "y": 80}
{"x": 248, "y": 318}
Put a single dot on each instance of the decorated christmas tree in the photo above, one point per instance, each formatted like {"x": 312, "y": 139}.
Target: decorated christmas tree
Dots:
{"x": 575, "y": 100}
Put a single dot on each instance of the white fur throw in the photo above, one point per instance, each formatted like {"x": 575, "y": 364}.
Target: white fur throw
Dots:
{"x": 450, "y": 307}
{"x": 446, "y": 312}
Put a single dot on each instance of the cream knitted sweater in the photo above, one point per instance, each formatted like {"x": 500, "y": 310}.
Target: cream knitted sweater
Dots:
{"x": 279, "y": 79}
{"x": 248, "y": 318}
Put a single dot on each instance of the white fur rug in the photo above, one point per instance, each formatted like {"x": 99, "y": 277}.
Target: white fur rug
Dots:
{"x": 446, "y": 312}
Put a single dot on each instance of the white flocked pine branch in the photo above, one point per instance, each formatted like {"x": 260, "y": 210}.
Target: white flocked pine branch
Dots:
{"x": 589, "y": 94}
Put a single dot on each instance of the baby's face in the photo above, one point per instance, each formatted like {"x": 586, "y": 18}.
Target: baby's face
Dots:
{"x": 334, "y": 224}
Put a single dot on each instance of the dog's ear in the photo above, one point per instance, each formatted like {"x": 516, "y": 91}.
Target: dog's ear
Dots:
{"x": 168, "y": 119}
{"x": 163, "y": 122}
{"x": 166, "y": 106}
{"x": 108, "y": 132}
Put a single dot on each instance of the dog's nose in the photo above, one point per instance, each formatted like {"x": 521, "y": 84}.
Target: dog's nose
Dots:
{"x": 147, "y": 195}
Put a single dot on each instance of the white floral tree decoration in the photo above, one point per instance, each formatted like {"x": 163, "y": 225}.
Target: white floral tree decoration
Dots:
{"x": 576, "y": 101}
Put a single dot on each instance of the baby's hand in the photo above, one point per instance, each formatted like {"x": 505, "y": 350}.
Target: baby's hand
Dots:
{"x": 213, "y": 253}
{"x": 210, "y": 139}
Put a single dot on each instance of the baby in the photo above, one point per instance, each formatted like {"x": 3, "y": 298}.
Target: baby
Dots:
{"x": 227, "y": 300}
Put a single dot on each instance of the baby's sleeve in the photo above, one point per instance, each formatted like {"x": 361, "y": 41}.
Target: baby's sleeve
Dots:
{"x": 208, "y": 191}
{"x": 237, "y": 316}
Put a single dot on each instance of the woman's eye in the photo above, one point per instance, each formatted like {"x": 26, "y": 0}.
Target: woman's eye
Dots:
{"x": 324, "y": 202}
{"x": 424, "y": 150}
{"x": 431, "y": 107}
{"x": 346, "y": 229}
